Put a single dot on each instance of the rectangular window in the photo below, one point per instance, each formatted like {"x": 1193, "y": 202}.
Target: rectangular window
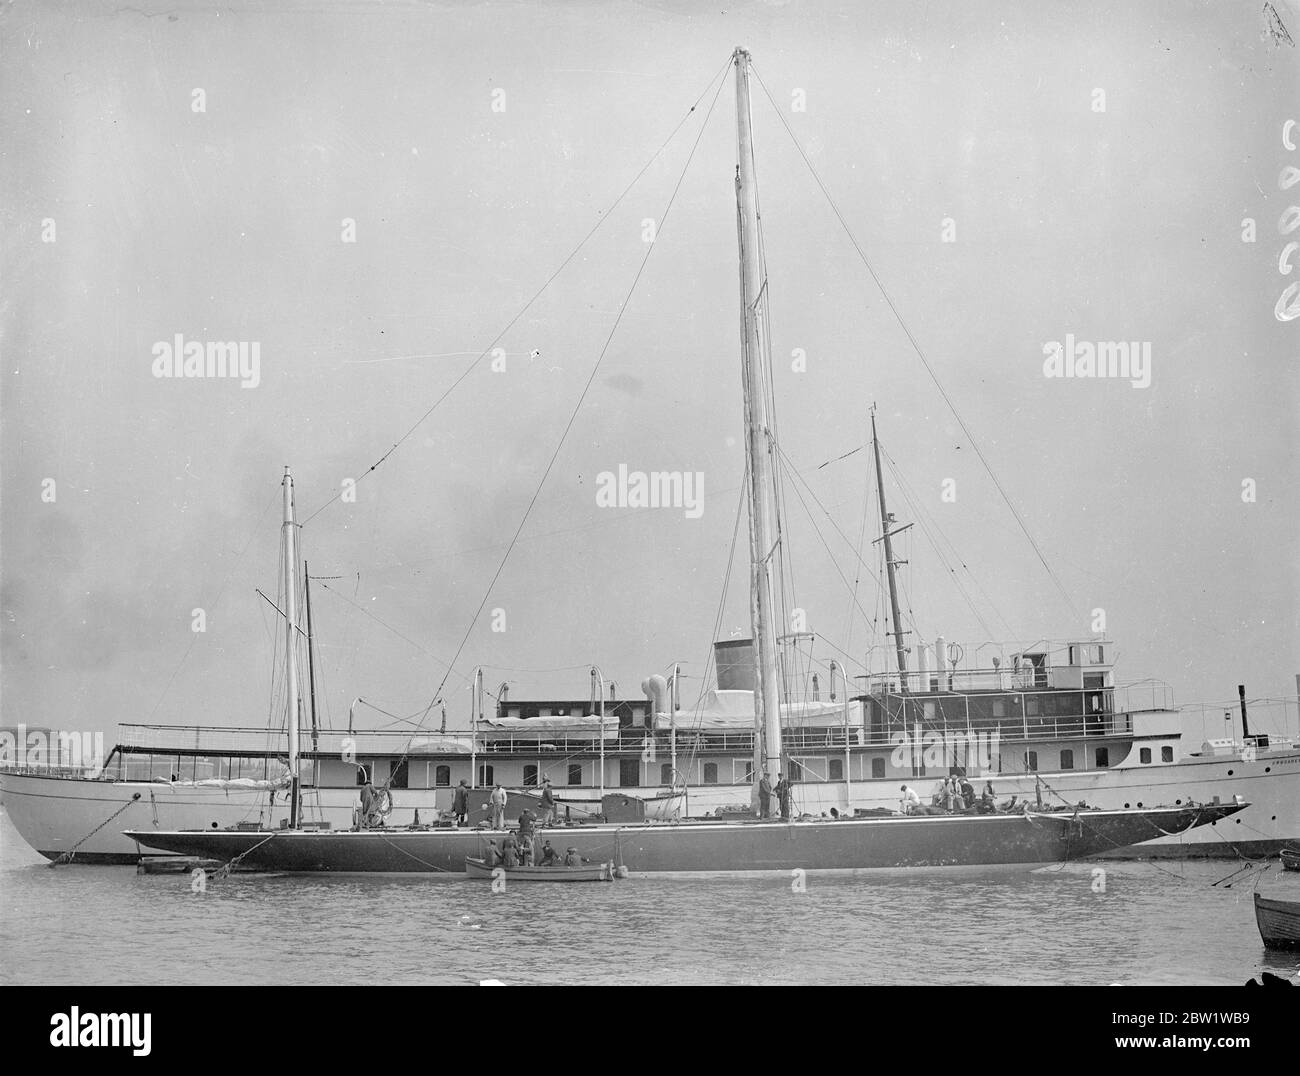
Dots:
{"x": 666, "y": 774}
{"x": 1166, "y": 754}
{"x": 397, "y": 774}
{"x": 1031, "y": 761}
{"x": 710, "y": 773}
{"x": 485, "y": 775}
{"x": 1144, "y": 755}
{"x": 877, "y": 767}
{"x": 629, "y": 772}
{"x": 1067, "y": 760}
{"x": 575, "y": 773}
{"x": 442, "y": 776}
{"x": 1103, "y": 757}
{"x": 530, "y": 773}
{"x": 837, "y": 769}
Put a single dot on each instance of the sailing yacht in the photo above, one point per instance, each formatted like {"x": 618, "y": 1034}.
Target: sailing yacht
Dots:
{"x": 754, "y": 844}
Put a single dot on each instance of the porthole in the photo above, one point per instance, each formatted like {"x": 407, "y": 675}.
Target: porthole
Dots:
{"x": 1229, "y": 773}
{"x": 1139, "y": 803}
{"x": 1268, "y": 769}
{"x": 1126, "y": 806}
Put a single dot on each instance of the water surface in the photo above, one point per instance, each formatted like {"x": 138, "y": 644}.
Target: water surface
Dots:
{"x": 1153, "y": 924}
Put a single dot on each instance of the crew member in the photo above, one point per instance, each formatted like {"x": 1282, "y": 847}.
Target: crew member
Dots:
{"x": 460, "y": 803}
{"x": 765, "y": 796}
{"x": 909, "y": 801}
{"x": 783, "y": 796}
{"x": 498, "y": 802}
{"x": 548, "y": 802}
{"x": 369, "y": 802}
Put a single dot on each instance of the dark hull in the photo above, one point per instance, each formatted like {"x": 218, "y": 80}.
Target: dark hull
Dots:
{"x": 1278, "y": 922}
{"x": 861, "y": 844}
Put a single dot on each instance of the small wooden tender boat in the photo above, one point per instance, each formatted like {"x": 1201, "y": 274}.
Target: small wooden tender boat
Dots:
{"x": 1290, "y": 860}
{"x": 1278, "y": 921}
{"x": 592, "y": 872}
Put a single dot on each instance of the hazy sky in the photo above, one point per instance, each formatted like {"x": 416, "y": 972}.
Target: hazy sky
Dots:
{"x": 228, "y": 224}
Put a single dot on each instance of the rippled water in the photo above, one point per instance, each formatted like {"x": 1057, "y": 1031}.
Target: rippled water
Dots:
{"x": 1153, "y": 924}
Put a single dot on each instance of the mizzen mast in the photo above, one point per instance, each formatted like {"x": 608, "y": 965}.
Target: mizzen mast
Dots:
{"x": 763, "y": 534}
{"x": 291, "y": 648}
{"x": 886, "y": 536}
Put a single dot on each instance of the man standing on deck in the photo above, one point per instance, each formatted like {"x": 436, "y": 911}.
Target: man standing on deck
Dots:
{"x": 783, "y": 796}
{"x": 460, "y": 803}
{"x": 498, "y": 802}
{"x": 764, "y": 796}
{"x": 369, "y": 801}
{"x": 548, "y": 802}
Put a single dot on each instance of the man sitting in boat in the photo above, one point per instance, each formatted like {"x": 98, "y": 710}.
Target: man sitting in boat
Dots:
{"x": 572, "y": 859}
{"x": 509, "y": 852}
{"x": 491, "y": 856}
{"x": 550, "y": 857}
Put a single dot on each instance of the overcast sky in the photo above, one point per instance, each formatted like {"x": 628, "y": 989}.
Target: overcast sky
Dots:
{"x": 227, "y": 223}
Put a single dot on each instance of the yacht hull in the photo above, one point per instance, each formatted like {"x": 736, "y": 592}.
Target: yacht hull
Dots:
{"x": 707, "y": 848}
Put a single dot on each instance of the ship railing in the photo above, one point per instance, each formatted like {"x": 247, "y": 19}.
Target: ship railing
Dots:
{"x": 228, "y": 740}
{"x": 1275, "y": 718}
{"x": 954, "y": 680}
{"x": 37, "y": 769}
{"x": 1033, "y": 728}
{"x": 1139, "y": 696}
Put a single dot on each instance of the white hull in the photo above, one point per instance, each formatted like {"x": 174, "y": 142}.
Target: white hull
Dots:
{"x": 56, "y": 814}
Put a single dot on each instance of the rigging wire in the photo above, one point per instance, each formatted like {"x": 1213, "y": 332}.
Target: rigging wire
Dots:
{"x": 916, "y": 346}
{"x": 536, "y": 295}
{"x": 573, "y": 415}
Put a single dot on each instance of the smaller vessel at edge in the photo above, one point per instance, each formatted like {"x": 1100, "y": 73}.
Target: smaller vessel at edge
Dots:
{"x": 1278, "y": 921}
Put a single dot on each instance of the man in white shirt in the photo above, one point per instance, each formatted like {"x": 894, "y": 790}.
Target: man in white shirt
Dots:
{"x": 909, "y": 801}
{"x": 498, "y": 802}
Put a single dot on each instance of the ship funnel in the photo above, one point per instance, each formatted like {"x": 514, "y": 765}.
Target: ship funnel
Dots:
{"x": 735, "y": 661}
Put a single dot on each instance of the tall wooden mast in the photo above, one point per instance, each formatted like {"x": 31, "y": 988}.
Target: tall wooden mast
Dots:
{"x": 887, "y": 536}
{"x": 758, "y": 446}
{"x": 291, "y": 647}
